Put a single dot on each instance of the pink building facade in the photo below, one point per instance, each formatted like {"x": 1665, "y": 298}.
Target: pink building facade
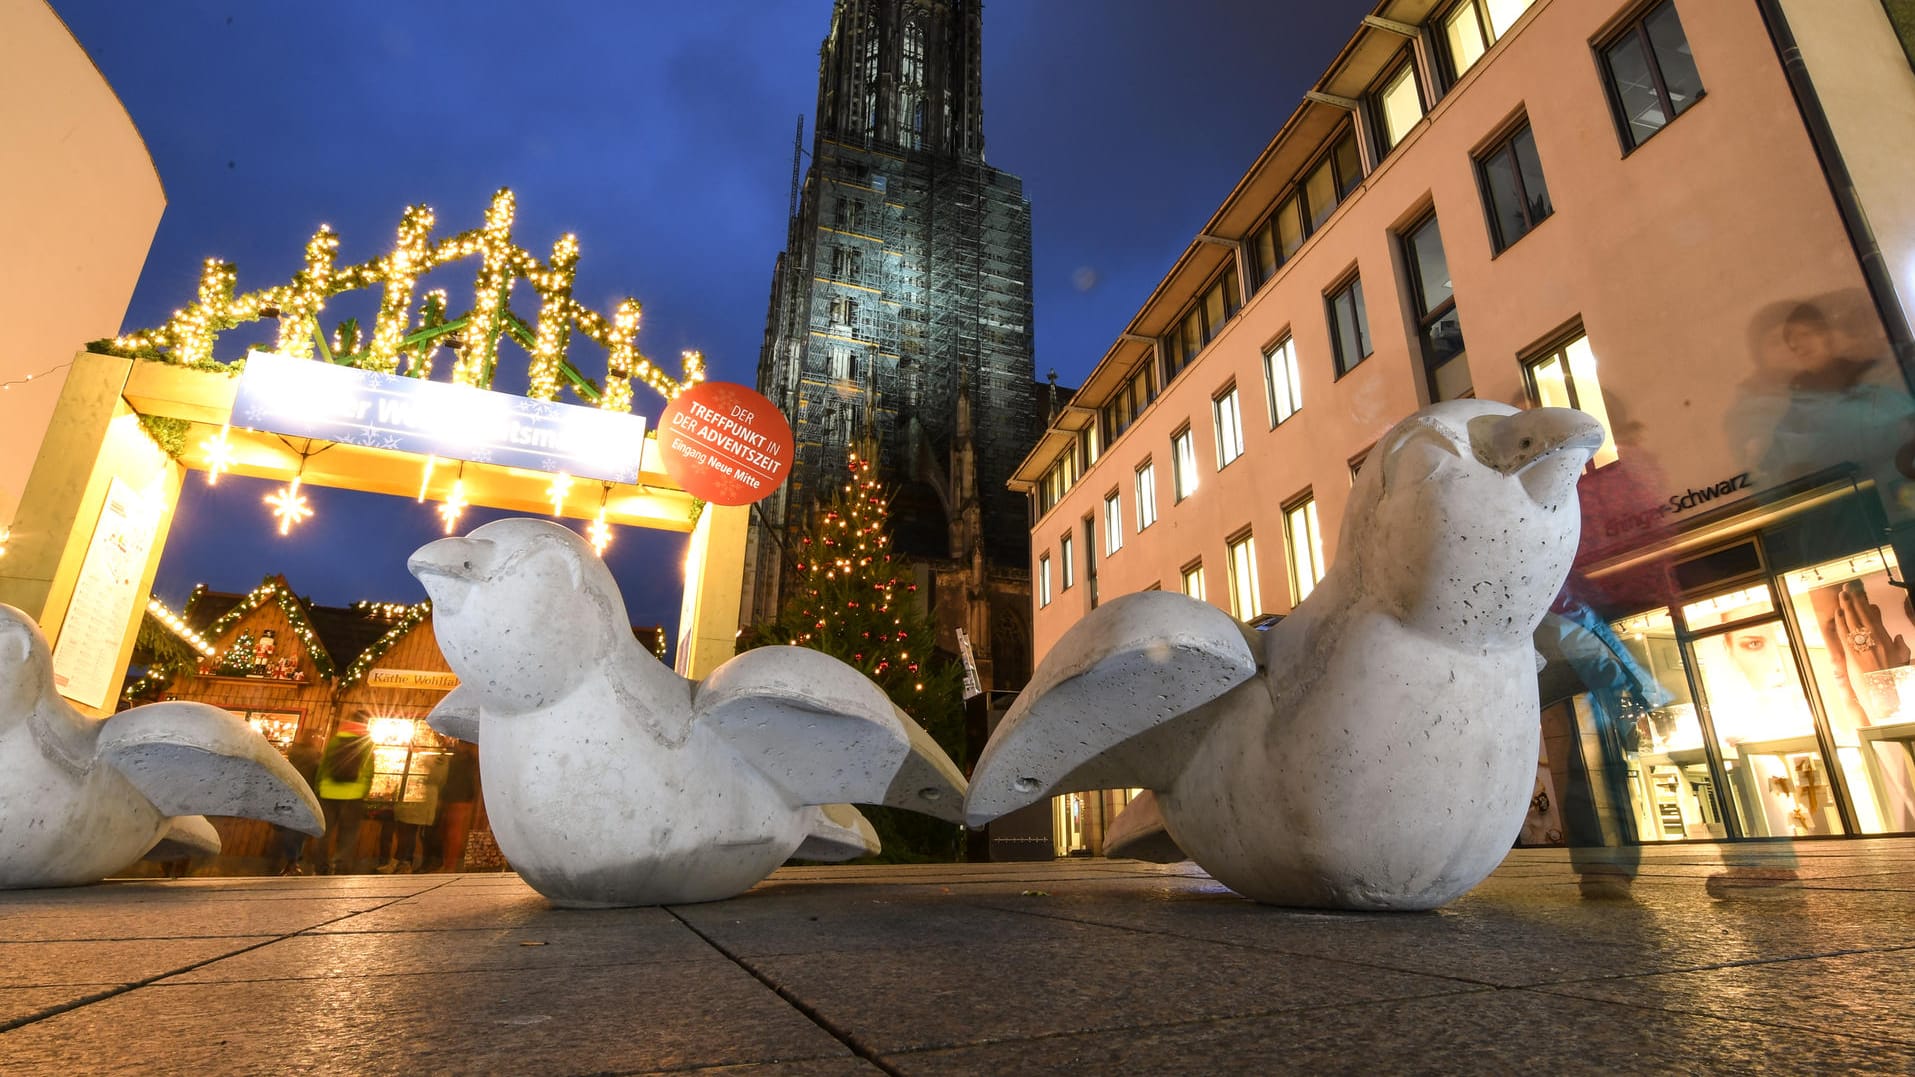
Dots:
{"x": 1635, "y": 208}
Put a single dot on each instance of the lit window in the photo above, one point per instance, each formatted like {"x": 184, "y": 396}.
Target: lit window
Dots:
{"x": 1183, "y": 464}
{"x": 1069, "y": 562}
{"x": 1326, "y": 183}
{"x": 1201, "y": 324}
{"x": 1244, "y": 601}
{"x": 1565, "y": 377}
{"x": 1651, "y": 74}
{"x": 1229, "y": 427}
{"x": 1194, "y": 580}
{"x": 1146, "y": 495}
{"x": 1473, "y": 25}
{"x": 1445, "y": 369}
{"x": 1303, "y": 543}
{"x": 1280, "y": 381}
{"x": 1113, "y": 523}
{"x": 1400, "y": 105}
{"x": 1349, "y": 326}
{"x": 1044, "y": 580}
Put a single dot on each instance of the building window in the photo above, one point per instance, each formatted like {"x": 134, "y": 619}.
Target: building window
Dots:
{"x": 1229, "y": 427}
{"x": 1057, "y": 481}
{"x": 1349, "y": 326}
{"x": 1399, "y": 104}
{"x": 1651, "y": 74}
{"x": 844, "y": 311}
{"x": 1044, "y": 581}
{"x": 1303, "y": 545}
{"x": 1183, "y": 464}
{"x": 1446, "y": 370}
{"x": 847, "y": 263}
{"x": 1113, "y": 523}
{"x": 1565, "y": 377}
{"x": 1326, "y": 184}
{"x": 1512, "y": 178}
{"x": 1193, "y": 574}
{"x": 1201, "y": 323}
{"x": 1146, "y": 495}
{"x": 1244, "y": 601}
{"x": 849, "y": 214}
{"x": 1471, "y": 27}
{"x": 1280, "y": 380}
{"x": 1127, "y": 403}
{"x": 1066, "y": 558}
{"x": 844, "y": 365}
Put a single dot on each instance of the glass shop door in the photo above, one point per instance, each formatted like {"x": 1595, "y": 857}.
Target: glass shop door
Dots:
{"x": 1765, "y": 736}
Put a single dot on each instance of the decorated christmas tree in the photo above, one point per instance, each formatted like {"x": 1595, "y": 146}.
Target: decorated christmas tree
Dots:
{"x": 852, "y": 600}
{"x": 239, "y": 658}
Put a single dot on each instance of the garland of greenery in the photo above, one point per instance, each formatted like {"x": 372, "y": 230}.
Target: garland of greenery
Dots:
{"x": 168, "y": 433}
{"x": 366, "y": 659}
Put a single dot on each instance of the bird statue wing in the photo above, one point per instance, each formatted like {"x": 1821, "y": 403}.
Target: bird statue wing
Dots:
{"x": 816, "y": 727}
{"x": 457, "y": 715}
{"x": 1110, "y": 707}
{"x": 192, "y": 759}
{"x": 835, "y": 833}
{"x": 1139, "y": 833}
{"x": 187, "y": 837}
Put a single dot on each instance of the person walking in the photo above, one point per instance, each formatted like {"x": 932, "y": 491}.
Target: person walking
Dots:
{"x": 345, "y": 777}
{"x": 304, "y": 756}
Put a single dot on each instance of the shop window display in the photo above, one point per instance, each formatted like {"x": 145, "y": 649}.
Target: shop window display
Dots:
{"x": 1671, "y": 787}
{"x": 1856, "y": 624}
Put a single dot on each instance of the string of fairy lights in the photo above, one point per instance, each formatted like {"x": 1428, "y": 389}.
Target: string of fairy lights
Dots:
{"x": 403, "y": 344}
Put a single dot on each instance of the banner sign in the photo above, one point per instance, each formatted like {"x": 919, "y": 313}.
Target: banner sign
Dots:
{"x": 314, "y": 399}
{"x": 86, "y": 658}
{"x": 435, "y": 680}
{"x": 724, "y": 443}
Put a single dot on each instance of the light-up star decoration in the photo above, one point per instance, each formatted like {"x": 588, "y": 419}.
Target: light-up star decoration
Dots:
{"x": 561, "y": 484}
{"x": 453, "y": 506}
{"x": 289, "y": 506}
{"x": 219, "y": 455}
{"x": 599, "y": 534}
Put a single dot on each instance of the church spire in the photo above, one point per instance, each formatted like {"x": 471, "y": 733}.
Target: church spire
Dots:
{"x": 905, "y": 75}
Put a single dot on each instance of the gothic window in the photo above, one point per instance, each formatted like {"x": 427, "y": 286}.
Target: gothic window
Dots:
{"x": 844, "y": 311}
{"x": 847, "y": 263}
{"x": 911, "y": 86}
{"x": 871, "y": 44}
{"x": 844, "y": 365}
{"x": 849, "y": 214}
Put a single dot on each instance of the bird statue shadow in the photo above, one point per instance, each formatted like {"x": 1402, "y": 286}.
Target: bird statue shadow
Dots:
{"x": 611, "y": 780}
{"x": 1376, "y": 748}
{"x": 81, "y": 798}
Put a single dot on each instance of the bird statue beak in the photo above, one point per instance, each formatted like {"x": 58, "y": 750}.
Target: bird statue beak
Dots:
{"x": 1544, "y": 447}
{"x": 446, "y": 568}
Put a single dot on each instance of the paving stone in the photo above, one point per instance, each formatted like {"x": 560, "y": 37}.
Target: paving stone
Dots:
{"x": 175, "y": 915}
{"x": 1078, "y": 978}
{"x": 1487, "y": 1032}
{"x": 623, "y": 1018}
{"x": 114, "y": 961}
{"x": 1870, "y": 994}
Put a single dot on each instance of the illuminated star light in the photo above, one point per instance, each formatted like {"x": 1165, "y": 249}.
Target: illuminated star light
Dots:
{"x": 219, "y": 455}
{"x": 599, "y": 534}
{"x": 425, "y": 481}
{"x": 289, "y": 506}
{"x": 454, "y": 506}
{"x": 561, "y": 483}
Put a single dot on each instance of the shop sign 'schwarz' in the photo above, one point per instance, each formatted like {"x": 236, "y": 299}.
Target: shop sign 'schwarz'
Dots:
{"x": 307, "y": 398}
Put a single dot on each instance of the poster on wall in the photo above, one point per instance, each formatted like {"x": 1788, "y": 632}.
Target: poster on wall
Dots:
{"x": 86, "y": 658}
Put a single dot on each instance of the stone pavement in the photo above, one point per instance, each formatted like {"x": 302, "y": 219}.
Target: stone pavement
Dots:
{"x": 1073, "y": 966}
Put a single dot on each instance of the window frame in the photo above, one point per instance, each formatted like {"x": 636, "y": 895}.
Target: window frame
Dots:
{"x": 1403, "y": 62}
{"x": 1185, "y": 477}
{"x": 1306, "y": 504}
{"x": 1504, "y": 144}
{"x": 1044, "y": 594}
{"x": 1361, "y": 310}
{"x": 1428, "y": 317}
{"x": 1113, "y": 522}
{"x": 1637, "y": 26}
{"x": 1245, "y": 540}
{"x": 1194, "y": 571}
{"x": 1146, "y": 486}
{"x": 1558, "y": 346}
{"x": 1228, "y": 392}
{"x": 1292, "y": 380}
{"x": 1177, "y": 348}
{"x": 1067, "y": 558}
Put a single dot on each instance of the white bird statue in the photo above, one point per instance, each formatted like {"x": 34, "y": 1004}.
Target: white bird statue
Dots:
{"x": 610, "y": 780}
{"x": 82, "y": 798}
{"x": 1374, "y": 750}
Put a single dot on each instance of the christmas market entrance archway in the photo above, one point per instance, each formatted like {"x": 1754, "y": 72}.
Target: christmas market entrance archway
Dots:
{"x": 140, "y": 411}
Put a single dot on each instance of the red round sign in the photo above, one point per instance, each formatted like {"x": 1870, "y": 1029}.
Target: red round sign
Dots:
{"x": 724, "y": 443}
